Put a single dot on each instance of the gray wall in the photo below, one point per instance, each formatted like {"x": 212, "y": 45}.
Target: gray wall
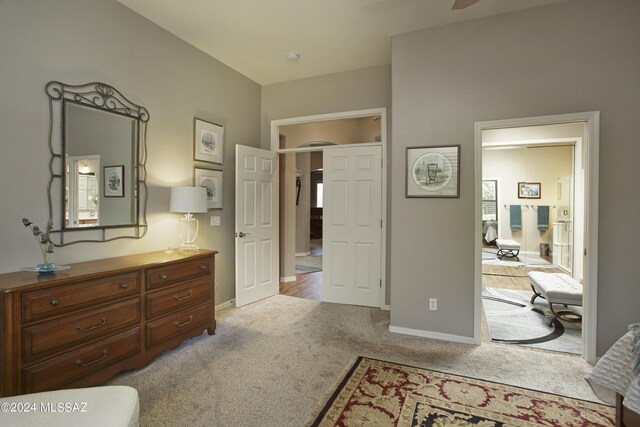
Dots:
{"x": 579, "y": 55}
{"x": 80, "y": 41}
{"x": 347, "y": 91}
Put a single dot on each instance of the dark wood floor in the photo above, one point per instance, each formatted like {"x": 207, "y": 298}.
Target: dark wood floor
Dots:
{"x": 308, "y": 285}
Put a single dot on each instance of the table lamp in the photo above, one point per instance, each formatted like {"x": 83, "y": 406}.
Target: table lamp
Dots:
{"x": 188, "y": 200}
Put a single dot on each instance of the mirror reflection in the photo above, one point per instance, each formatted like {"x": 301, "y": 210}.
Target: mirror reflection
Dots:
{"x": 100, "y": 152}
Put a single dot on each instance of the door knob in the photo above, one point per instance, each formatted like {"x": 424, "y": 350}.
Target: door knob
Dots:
{"x": 241, "y": 234}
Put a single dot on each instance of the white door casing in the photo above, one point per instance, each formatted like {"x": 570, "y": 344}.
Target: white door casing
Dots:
{"x": 352, "y": 225}
{"x": 256, "y": 225}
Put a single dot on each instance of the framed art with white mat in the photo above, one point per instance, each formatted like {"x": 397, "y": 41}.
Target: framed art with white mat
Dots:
{"x": 212, "y": 181}
{"x": 433, "y": 171}
{"x": 208, "y": 142}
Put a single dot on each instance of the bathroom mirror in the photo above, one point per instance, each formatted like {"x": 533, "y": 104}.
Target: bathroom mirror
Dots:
{"x": 97, "y": 189}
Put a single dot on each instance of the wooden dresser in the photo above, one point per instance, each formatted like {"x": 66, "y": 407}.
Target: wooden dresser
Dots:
{"x": 80, "y": 327}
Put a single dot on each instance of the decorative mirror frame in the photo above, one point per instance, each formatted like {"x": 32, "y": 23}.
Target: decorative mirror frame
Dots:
{"x": 103, "y": 97}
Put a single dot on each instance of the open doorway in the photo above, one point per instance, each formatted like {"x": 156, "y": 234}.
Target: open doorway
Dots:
{"x": 536, "y": 188}
{"x": 306, "y": 235}
{"x": 301, "y": 151}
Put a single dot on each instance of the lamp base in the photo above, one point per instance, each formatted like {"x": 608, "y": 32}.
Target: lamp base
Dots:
{"x": 188, "y": 228}
{"x": 188, "y": 247}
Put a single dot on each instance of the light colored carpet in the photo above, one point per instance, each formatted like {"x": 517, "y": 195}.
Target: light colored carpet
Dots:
{"x": 308, "y": 264}
{"x": 277, "y": 361}
{"x": 511, "y": 317}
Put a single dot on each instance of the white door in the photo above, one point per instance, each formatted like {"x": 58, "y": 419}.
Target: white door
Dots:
{"x": 352, "y": 225}
{"x": 256, "y": 225}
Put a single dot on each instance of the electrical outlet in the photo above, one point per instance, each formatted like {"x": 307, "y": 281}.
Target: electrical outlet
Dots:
{"x": 433, "y": 304}
{"x": 215, "y": 221}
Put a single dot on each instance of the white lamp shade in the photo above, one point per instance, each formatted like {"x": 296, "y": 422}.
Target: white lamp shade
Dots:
{"x": 188, "y": 199}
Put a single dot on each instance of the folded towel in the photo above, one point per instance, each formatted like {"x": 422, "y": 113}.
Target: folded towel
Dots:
{"x": 491, "y": 234}
{"x": 543, "y": 218}
{"x": 515, "y": 217}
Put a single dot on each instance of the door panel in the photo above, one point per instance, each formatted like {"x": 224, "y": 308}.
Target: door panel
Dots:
{"x": 352, "y": 231}
{"x": 256, "y": 232}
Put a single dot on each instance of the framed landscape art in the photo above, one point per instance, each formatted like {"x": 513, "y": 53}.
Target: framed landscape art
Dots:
{"x": 529, "y": 190}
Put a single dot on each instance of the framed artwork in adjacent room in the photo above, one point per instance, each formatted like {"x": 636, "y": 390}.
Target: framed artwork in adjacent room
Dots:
{"x": 433, "y": 171}
{"x": 212, "y": 181}
{"x": 208, "y": 142}
{"x": 529, "y": 190}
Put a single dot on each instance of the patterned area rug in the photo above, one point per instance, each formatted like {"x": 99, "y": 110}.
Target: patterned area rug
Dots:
{"x": 377, "y": 393}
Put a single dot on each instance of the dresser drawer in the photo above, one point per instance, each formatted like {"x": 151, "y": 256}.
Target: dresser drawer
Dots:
{"x": 61, "y": 299}
{"x": 173, "y": 273}
{"x": 178, "y": 297}
{"x": 49, "y": 337}
{"x": 61, "y": 370}
{"x": 178, "y": 323}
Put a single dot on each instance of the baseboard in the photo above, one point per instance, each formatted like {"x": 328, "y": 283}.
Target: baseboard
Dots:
{"x": 303, "y": 254}
{"x": 288, "y": 279}
{"x": 386, "y": 307}
{"x": 229, "y": 303}
{"x": 434, "y": 335}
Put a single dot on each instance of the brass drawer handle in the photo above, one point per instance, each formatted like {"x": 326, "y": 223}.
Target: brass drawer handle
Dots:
{"x": 123, "y": 285}
{"x": 79, "y": 362}
{"x": 179, "y": 325}
{"x": 91, "y": 328}
{"x": 203, "y": 267}
{"x": 163, "y": 276}
{"x": 184, "y": 297}
{"x": 54, "y": 301}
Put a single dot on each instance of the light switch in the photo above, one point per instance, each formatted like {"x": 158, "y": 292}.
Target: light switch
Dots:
{"x": 215, "y": 221}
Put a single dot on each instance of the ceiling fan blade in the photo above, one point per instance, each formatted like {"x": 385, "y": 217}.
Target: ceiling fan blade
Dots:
{"x": 463, "y": 4}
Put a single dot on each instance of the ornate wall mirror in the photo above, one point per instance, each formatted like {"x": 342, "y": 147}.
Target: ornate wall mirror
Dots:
{"x": 97, "y": 139}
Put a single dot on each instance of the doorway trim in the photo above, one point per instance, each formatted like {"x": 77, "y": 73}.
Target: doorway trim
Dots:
{"x": 590, "y": 158}
{"x": 382, "y": 112}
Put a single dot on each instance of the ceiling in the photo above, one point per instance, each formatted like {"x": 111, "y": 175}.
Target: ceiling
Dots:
{"x": 254, "y": 36}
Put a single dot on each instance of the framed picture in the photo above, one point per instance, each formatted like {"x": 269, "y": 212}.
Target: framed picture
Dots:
{"x": 528, "y": 190}
{"x": 114, "y": 181}
{"x": 433, "y": 171}
{"x": 212, "y": 181}
{"x": 208, "y": 142}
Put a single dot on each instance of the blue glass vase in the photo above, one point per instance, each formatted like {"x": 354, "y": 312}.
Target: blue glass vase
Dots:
{"x": 46, "y": 268}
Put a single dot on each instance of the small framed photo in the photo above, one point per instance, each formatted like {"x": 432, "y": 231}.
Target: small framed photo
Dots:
{"x": 114, "y": 181}
{"x": 212, "y": 181}
{"x": 208, "y": 142}
{"x": 529, "y": 190}
{"x": 433, "y": 171}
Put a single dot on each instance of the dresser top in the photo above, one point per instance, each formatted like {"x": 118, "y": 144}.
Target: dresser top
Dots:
{"x": 10, "y": 282}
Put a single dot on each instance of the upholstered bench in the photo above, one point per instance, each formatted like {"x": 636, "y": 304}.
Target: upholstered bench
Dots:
{"x": 557, "y": 288}
{"x": 508, "y": 248}
{"x": 108, "y": 406}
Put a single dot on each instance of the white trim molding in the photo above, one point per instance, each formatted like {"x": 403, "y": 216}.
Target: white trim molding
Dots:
{"x": 434, "y": 335}
{"x": 303, "y": 253}
{"x": 288, "y": 279}
{"x": 590, "y": 158}
{"x": 224, "y": 305}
